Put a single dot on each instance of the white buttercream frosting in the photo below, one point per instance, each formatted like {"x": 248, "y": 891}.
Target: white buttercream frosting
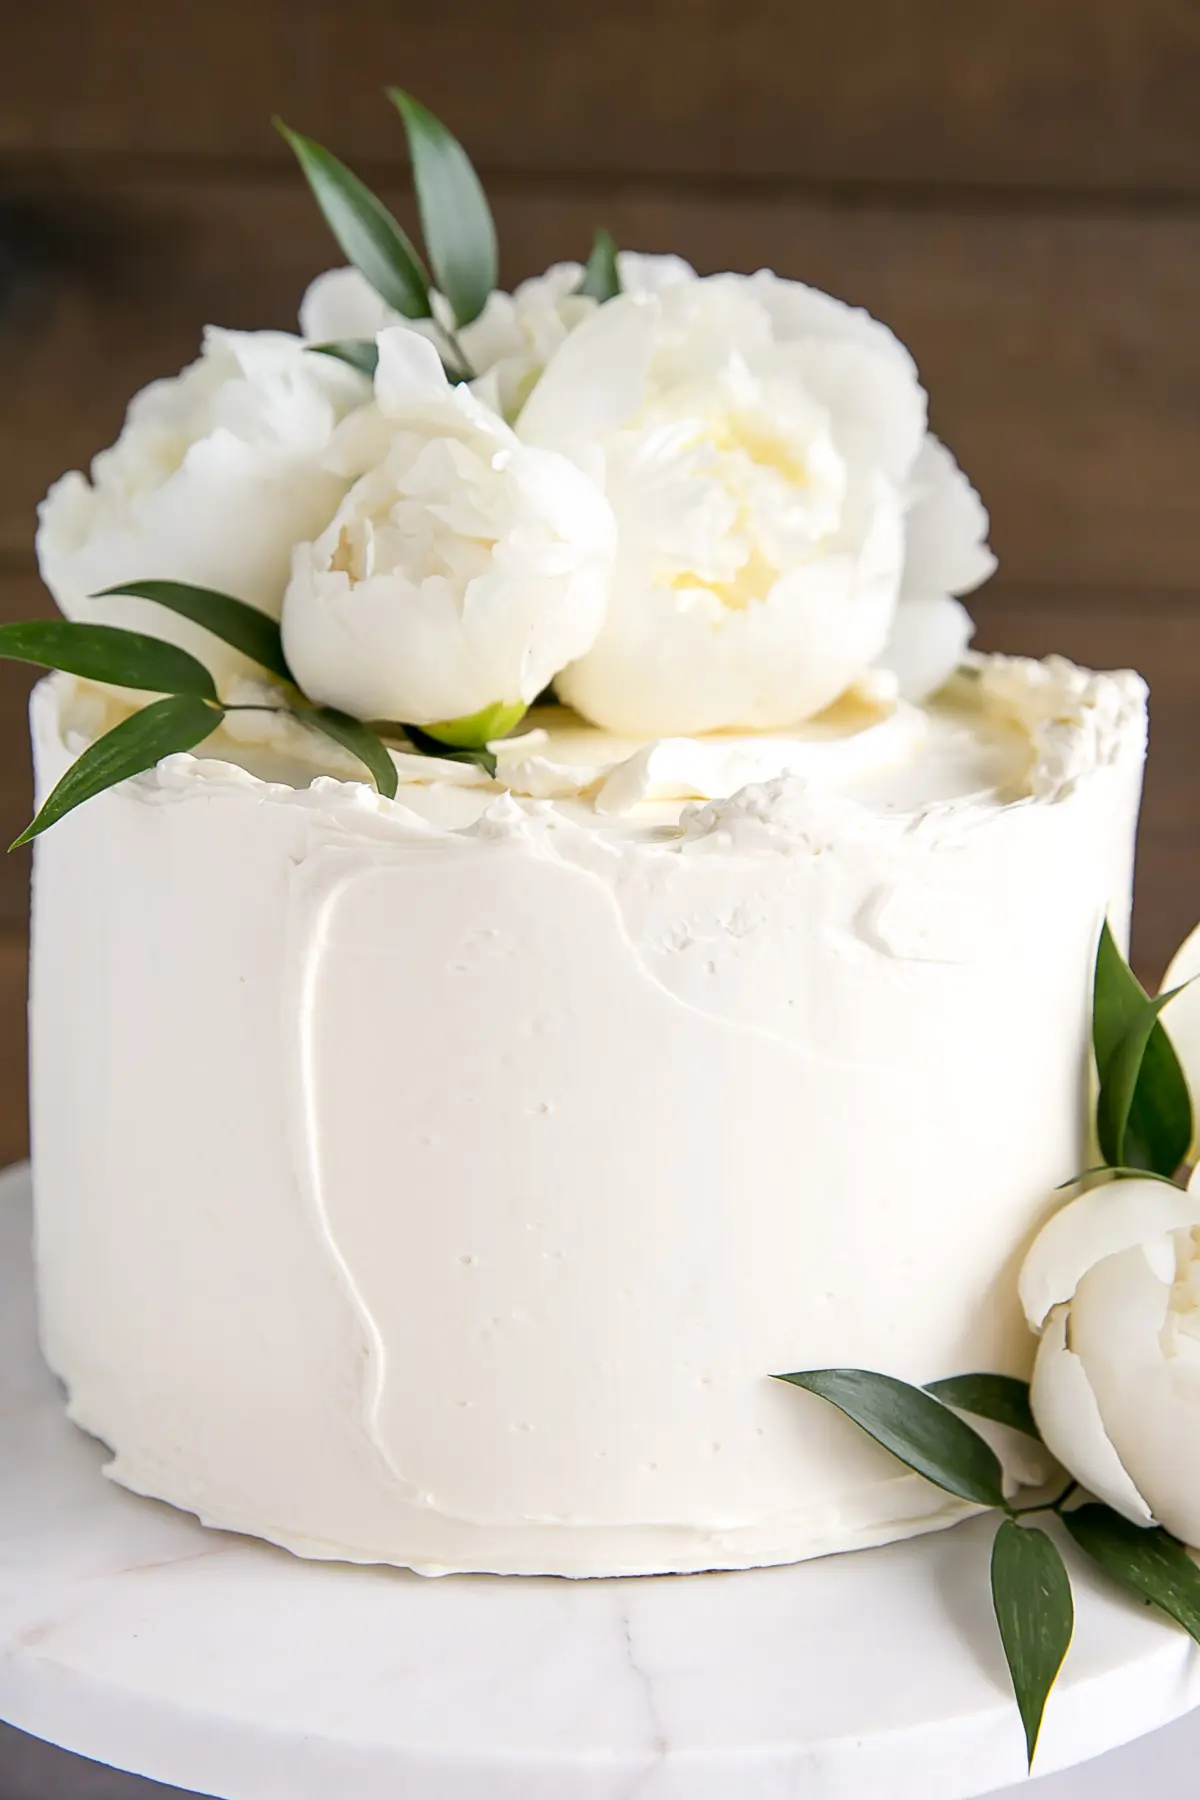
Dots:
{"x": 440, "y": 1181}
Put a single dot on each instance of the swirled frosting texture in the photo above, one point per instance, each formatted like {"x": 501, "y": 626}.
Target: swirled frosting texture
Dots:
{"x": 440, "y": 1181}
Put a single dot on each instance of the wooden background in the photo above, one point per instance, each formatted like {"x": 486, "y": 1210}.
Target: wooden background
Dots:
{"x": 1014, "y": 186}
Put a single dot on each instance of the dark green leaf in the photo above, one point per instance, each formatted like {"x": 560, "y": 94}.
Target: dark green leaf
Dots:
{"x": 456, "y": 219}
{"x": 361, "y": 353}
{"x": 1031, "y": 1595}
{"x": 248, "y": 629}
{"x": 358, "y": 739}
{"x": 1144, "y": 1111}
{"x": 106, "y": 653}
{"x": 365, "y": 229}
{"x": 1119, "y": 1084}
{"x": 1147, "y": 1561}
{"x": 1001, "y": 1398}
{"x": 425, "y": 745}
{"x": 913, "y": 1426}
{"x": 158, "y": 730}
{"x": 601, "y": 278}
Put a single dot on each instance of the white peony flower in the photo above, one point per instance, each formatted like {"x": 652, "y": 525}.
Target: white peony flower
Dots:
{"x": 1113, "y": 1285}
{"x": 764, "y": 450}
{"x": 215, "y": 476}
{"x": 513, "y": 338}
{"x": 1184, "y": 972}
{"x": 945, "y": 553}
{"x": 462, "y": 570}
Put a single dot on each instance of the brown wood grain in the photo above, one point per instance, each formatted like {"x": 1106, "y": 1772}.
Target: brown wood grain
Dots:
{"x": 1051, "y": 93}
{"x": 1061, "y": 351}
{"x": 14, "y": 1120}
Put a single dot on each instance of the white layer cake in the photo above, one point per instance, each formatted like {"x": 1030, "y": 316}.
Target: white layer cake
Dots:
{"x": 453, "y": 1200}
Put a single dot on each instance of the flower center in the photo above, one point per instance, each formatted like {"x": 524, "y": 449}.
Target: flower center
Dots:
{"x": 733, "y": 483}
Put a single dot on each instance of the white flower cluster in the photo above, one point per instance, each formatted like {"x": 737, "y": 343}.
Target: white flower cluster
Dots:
{"x": 1112, "y": 1287}
{"x": 710, "y": 503}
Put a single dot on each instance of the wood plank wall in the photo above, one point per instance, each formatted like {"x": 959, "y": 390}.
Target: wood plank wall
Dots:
{"x": 1015, "y": 187}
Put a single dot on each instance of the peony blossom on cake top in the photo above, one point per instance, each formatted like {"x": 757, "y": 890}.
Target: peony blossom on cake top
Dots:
{"x": 460, "y": 573}
{"x": 217, "y": 474}
{"x": 764, "y": 450}
{"x": 685, "y": 503}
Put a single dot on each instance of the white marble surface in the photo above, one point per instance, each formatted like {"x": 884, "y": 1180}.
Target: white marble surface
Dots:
{"x": 130, "y": 1634}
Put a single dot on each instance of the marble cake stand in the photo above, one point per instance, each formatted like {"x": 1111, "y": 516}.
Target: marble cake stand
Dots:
{"x": 131, "y": 1635}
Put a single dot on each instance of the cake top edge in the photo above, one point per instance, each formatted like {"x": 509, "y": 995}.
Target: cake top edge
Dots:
{"x": 1005, "y": 732}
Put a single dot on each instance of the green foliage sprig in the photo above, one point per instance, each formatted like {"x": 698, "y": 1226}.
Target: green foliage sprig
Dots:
{"x": 1030, "y": 1584}
{"x": 1143, "y": 1128}
{"x": 601, "y": 276}
{"x": 457, "y": 227}
{"x": 1144, "y": 1110}
{"x": 456, "y": 220}
{"x": 190, "y": 709}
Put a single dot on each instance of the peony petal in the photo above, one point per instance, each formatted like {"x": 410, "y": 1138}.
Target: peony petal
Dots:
{"x": 409, "y": 370}
{"x": 495, "y": 334}
{"x": 597, "y": 380}
{"x": 341, "y": 303}
{"x": 642, "y": 272}
{"x": 1132, "y": 1333}
{"x": 927, "y": 643}
{"x": 878, "y": 409}
{"x": 1119, "y": 1216}
{"x": 678, "y": 664}
{"x": 1182, "y": 1022}
{"x": 797, "y": 311}
{"x": 946, "y": 550}
{"x": 1069, "y": 1420}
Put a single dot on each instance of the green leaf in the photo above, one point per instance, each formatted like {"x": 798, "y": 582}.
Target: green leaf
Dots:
{"x": 456, "y": 219}
{"x": 106, "y": 653}
{"x": 425, "y": 745}
{"x": 363, "y": 226}
{"x": 248, "y": 629}
{"x": 1147, "y": 1561}
{"x": 601, "y": 277}
{"x": 358, "y": 739}
{"x": 1001, "y": 1398}
{"x": 1031, "y": 1596}
{"x": 915, "y": 1427}
{"x": 158, "y": 730}
{"x": 361, "y": 353}
{"x": 1144, "y": 1110}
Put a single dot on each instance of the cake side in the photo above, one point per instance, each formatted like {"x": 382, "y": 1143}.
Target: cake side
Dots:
{"x": 453, "y": 1201}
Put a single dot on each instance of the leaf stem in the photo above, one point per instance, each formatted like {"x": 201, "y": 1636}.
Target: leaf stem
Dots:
{"x": 465, "y": 372}
{"x": 1040, "y": 1506}
{"x": 252, "y": 706}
